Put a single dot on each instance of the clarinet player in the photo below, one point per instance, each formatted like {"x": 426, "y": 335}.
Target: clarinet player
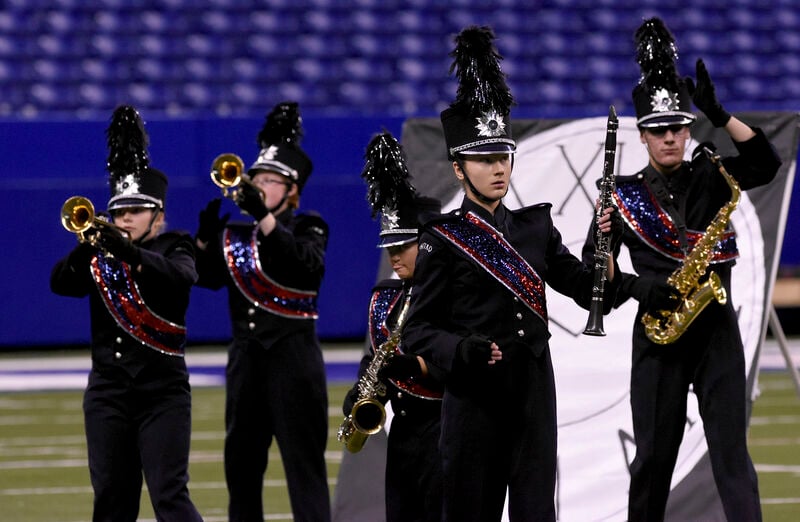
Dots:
{"x": 478, "y": 310}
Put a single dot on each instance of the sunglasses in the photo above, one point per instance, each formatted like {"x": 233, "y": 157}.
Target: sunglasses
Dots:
{"x": 661, "y": 131}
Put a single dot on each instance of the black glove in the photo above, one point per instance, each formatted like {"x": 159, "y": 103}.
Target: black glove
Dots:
{"x": 117, "y": 244}
{"x": 210, "y": 223}
{"x": 400, "y": 366}
{"x": 705, "y": 98}
{"x": 81, "y": 255}
{"x": 654, "y": 294}
{"x": 350, "y": 399}
{"x": 249, "y": 199}
{"x": 474, "y": 350}
{"x": 617, "y": 230}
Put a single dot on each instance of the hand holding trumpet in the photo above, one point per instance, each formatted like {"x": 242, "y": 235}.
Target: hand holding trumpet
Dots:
{"x": 78, "y": 216}
{"x": 116, "y": 242}
{"x": 227, "y": 173}
{"x": 251, "y": 200}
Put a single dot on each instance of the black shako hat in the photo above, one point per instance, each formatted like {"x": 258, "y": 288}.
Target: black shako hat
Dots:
{"x": 478, "y": 121}
{"x": 661, "y": 97}
{"x": 279, "y": 142}
{"x": 133, "y": 182}
{"x": 391, "y": 194}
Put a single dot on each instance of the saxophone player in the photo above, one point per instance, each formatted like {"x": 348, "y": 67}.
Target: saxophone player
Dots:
{"x": 679, "y": 200}
{"x": 272, "y": 267}
{"x": 413, "y": 479}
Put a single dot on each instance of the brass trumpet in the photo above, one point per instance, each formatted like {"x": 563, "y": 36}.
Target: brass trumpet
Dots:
{"x": 78, "y": 216}
{"x": 227, "y": 172}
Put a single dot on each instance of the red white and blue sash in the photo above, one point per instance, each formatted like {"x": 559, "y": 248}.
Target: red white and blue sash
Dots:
{"x": 643, "y": 214}
{"x": 241, "y": 257}
{"x": 483, "y": 244}
{"x": 121, "y": 296}
{"x": 381, "y": 305}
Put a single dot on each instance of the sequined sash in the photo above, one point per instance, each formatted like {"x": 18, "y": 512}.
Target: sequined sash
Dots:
{"x": 643, "y": 214}
{"x": 121, "y": 296}
{"x": 241, "y": 257}
{"x": 483, "y": 244}
{"x": 381, "y": 305}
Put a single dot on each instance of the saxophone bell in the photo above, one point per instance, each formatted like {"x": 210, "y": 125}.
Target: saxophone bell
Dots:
{"x": 368, "y": 414}
{"x": 366, "y": 418}
{"x": 665, "y": 327}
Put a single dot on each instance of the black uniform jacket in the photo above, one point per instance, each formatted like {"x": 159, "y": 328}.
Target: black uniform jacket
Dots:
{"x": 697, "y": 191}
{"x": 165, "y": 281}
{"x": 455, "y": 297}
{"x": 292, "y": 255}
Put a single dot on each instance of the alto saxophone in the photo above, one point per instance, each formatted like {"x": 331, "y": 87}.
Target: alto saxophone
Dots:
{"x": 666, "y": 326}
{"x": 368, "y": 414}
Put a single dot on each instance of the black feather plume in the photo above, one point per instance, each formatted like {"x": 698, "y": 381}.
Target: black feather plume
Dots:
{"x": 656, "y": 54}
{"x": 127, "y": 142}
{"x": 481, "y": 82}
{"x": 283, "y": 126}
{"x": 386, "y": 174}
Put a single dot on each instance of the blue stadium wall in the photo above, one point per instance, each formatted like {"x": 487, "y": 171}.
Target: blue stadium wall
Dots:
{"x": 45, "y": 162}
{"x": 203, "y": 73}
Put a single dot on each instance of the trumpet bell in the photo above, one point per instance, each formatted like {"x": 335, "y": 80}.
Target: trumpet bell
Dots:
{"x": 226, "y": 170}
{"x": 77, "y": 214}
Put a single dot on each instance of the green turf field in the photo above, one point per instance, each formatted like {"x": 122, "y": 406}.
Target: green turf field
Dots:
{"x": 43, "y": 474}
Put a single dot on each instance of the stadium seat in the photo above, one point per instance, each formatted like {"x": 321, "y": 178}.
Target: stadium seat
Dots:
{"x": 376, "y": 53}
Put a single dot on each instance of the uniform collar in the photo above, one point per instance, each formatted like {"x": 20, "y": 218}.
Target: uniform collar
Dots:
{"x": 497, "y": 220}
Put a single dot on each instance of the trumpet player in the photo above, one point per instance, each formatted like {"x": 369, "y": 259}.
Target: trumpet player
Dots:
{"x": 682, "y": 199}
{"x": 272, "y": 267}
{"x": 478, "y": 310}
{"x": 413, "y": 479}
{"x": 137, "y": 403}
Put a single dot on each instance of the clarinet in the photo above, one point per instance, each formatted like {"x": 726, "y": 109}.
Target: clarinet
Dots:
{"x": 602, "y": 241}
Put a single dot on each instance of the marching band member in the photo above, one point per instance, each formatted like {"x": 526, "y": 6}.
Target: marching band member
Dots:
{"x": 413, "y": 485}
{"x": 666, "y": 206}
{"x": 137, "y": 404}
{"x": 478, "y": 309}
{"x": 275, "y": 376}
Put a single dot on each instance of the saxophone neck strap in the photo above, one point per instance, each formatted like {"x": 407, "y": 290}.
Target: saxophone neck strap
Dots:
{"x": 381, "y": 305}
{"x": 658, "y": 186}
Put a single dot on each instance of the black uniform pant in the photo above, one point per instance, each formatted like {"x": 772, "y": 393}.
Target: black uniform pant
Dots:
{"x": 709, "y": 357}
{"x": 498, "y": 433}
{"x": 413, "y": 465}
{"x": 280, "y": 392}
{"x": 134, "y": 425}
